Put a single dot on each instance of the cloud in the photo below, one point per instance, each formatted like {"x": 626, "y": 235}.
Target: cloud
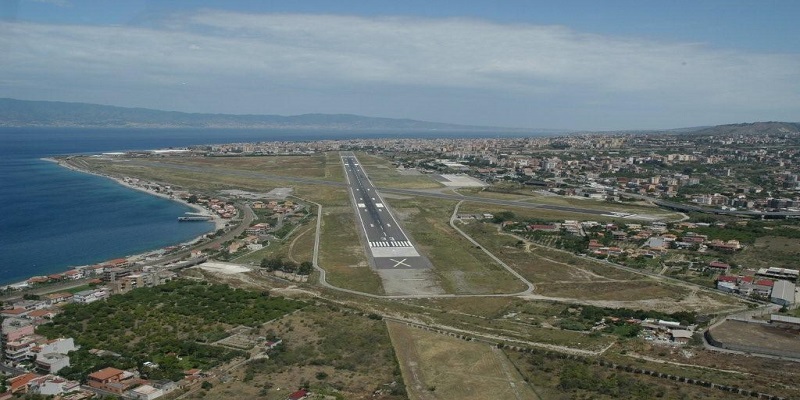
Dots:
{"x": 259, "y": 56}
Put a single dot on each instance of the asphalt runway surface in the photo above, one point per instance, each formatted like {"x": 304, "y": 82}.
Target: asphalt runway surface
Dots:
{"x": 387, "y": 244}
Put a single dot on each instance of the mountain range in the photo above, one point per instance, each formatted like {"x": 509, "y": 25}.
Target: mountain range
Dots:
{"x": 26, "y": 113}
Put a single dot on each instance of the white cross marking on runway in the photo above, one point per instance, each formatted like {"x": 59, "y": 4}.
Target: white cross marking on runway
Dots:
{"x": 401, "y": 262}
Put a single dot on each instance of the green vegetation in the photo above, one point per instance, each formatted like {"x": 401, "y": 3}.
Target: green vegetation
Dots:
{"x": 279, "y": 264}
{"x": 576, "y": 376}
{"x": 588, "y": 315}
{"x": 342, "y": 254}
{"x": 172, "y": 325}
{"x": 330, "y": 350}
{"x": 748, "y": 233}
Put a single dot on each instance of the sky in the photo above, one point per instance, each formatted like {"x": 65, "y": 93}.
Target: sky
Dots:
{"x": 572, "y": 64}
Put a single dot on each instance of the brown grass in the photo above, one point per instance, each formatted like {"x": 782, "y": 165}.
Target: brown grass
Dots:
{"x": 441, "y": 367}
{"x": 460, "y": 266}
{"x": 383, "y": 174}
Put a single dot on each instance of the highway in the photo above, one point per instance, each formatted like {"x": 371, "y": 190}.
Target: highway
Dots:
{"x": 388, "y": 245}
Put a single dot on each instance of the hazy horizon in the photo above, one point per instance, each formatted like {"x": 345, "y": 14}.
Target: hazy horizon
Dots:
{"x": 579, "y": 65}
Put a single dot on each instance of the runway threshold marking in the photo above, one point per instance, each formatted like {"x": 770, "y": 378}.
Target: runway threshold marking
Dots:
{"x": 401, "y": 262}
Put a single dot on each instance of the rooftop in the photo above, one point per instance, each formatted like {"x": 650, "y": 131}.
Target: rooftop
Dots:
{"x": 106, "y": 373}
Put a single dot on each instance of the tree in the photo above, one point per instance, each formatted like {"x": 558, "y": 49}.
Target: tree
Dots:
{"x": 503, "y": 216}
{"x": 305, "y": 268}
{"x": 192, "y": 199}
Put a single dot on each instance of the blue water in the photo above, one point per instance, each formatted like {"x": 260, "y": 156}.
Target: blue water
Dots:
{"x": 52, "y": 218}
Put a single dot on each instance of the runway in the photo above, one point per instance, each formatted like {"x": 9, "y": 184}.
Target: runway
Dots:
{"x": 387, "y": 244}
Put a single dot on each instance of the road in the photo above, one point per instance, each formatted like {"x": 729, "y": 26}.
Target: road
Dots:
{"x": 387, "y": 244}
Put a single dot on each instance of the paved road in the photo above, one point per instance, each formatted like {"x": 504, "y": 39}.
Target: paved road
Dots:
{"x": 387, "y": 244}
{"x": 706, "y": 210}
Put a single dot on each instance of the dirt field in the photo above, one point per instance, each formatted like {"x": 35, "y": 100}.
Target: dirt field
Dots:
{"x": 755, "y": 335}
{"x": 442, "y": 367}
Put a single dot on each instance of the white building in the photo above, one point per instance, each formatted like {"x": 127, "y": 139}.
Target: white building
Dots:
{"x": 89, "y": 296}
{"x": 50, "y": 385}
{"x": 61, "y": 346}
{"x": 146, "y": 392}
{"x": 51, "y": 362}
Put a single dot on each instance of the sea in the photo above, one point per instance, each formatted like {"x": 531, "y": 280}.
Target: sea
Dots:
{"x": 53, "y": 218}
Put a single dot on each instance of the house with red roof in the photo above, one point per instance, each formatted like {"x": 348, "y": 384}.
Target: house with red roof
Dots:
{"x": 112, "y": 379}
{"x": 719, "y": 266}
{"x": 19, "y": 384}
{"x": 301, "y": 394}
{"x": 55, "y": 298}
{"x": 73, "y": 274}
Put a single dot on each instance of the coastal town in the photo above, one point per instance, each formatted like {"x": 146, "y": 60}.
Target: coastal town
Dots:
{"x": 37, "y": 360}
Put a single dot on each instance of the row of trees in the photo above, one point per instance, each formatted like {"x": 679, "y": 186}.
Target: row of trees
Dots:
{"x": 288, "y": 266}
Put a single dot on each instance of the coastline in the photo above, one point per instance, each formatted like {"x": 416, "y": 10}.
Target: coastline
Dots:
{"x": 219, "y": 223}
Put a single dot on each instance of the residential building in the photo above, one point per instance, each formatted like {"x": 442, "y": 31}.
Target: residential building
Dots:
{"x": 19, "y": 384}
{"x": 15, "y": 328}
{"x": 112, "y": 379}
{"x": 761, "y": 287}
{"x": 719, "y": 266}
{"x": 146, "y": 392}
{"x": 55, "y": 298}
{"x": 51, "y": 362}
{"x": 18, "y": 350}
{"x": 113, "y": 274}
{"x": 51, "y": 385}
{"x": 89, "y": 296}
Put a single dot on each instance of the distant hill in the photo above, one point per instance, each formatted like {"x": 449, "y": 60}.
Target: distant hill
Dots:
{"x": 755, "y": 128}
{"x": 24, "y": 113}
